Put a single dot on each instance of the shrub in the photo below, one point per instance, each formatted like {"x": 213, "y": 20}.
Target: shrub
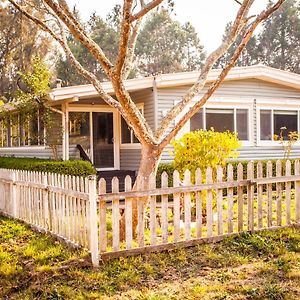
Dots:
{"x": 71, "y": 167}
{"x": 203, "y": 149}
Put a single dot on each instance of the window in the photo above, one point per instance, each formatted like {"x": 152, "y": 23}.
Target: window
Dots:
{"x": 277, "y": 121}
{"x": 234, "y": 120}
{"x": 285, "y": 119}
{"x": 19, "y": 131}
{"x": 127, "y": 135}
{"x": 220, "y": 119}
{"x": 79, "y": 130}
{"x": 196, "y": 121}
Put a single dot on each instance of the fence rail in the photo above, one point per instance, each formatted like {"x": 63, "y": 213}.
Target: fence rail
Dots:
{"x": 182, "y": 211}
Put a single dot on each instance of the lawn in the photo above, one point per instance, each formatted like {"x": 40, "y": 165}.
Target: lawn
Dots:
{"x": 258, "y": 266}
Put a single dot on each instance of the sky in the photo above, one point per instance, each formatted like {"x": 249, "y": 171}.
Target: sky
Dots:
{"x": 209, "y": 17}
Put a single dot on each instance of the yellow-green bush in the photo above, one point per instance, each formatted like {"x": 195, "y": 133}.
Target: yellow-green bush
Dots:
{"x": 202, "y": 149}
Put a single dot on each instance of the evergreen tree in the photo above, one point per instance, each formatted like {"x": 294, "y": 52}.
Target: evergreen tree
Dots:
{"x": 279, "y": 42}
{"x": 249, "y": 55}
{"x": 178, "y": 49}
{"x": 166, "y": 46}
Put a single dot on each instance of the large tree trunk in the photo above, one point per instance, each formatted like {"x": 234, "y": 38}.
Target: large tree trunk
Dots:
{"x": 150, "y": 158}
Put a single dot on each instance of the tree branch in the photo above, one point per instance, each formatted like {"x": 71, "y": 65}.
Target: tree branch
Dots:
{"x": 86, "y": 41}
{"x": 131, "y": 46}
{"x": 62, "y": 41}
{"x": 145, "y": 10}
{"x": 239, "y": 23}
{"x": 238, "y": 2}
{"x": 261, "y": 17}
{"x": 124, "y": 37}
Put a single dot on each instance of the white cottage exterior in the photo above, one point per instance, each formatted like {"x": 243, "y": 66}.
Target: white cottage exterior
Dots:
{"x": 255, "y": 101}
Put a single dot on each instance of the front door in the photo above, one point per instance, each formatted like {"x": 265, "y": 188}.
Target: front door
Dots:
{"x": 103, "y": 140}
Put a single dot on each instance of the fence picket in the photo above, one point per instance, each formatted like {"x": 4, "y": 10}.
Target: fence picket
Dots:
{"x": 176, "y": 197}
{"x": 128, "y": 213}
{"x": 198, "y": 181}
{"x": 250, "y": 197}
{"x": 115, "y": 215}
{"x": 153, "y": 211}
{"x": 220, "y": 201}
{"x": 209, "y": 210}
{"x": 278, "y": 193}
{"x": 288, "y": 192}
{"x": 164, "y": 208}
{"x": 102, "y": 217}
{"x": 140, "y": 213}
{"x": 260, "y": 196}
{"x": 269, "y": 194}
{"x": 187, "y": 206}
{"x": 297, "y": 192}
{"x": 240, "y": 177}
{"x": 230, "y": 199}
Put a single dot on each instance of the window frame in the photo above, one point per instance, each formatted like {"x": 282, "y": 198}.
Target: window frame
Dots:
{"x": 248, "y": 106}
{"x": 20, "y": 129}
{"x": 131, "y": 145}
{"x": 292, "y": 108}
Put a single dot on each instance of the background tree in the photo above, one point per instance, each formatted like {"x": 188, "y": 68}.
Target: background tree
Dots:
{"x": 163, "y": 46}
{"x": 103, "y": 32}
{"x": 249, "y": 55}
{"x": 20, "y": 41}
{"x": 278, "y": 44}
{"x": 279, "y": 41}
{"x": 166, "y": 46}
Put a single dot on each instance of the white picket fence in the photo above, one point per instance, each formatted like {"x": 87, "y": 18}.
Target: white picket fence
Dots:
{"x": 200, "y": 207}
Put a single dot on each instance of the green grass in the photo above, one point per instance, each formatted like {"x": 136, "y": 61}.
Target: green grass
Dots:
{"x": 251, "y": 266}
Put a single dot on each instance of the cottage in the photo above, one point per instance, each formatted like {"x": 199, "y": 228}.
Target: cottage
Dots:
{"x": 254, "y": 101}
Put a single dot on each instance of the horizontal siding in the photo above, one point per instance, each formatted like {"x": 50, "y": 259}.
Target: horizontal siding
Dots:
{"x": 146, "y": 96}
{"x": 261, "y": 152}
{"x": 130, "y": 159}
{"x": 248, "y": 153}
{"x": 33, "y": 152}
{"x": 252, "y": 89}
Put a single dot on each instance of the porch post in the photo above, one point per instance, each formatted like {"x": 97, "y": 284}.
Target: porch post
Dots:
{"x": 65, "y": 132}
{"x": 63, "y": 123}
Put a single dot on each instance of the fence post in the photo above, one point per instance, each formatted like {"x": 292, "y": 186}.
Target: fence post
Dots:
{"x": 93, "y": 220}
{"x": 14, "y": 194}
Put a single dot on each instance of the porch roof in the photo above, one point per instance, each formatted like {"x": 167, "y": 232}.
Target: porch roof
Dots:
{"x": 184, "y": 78}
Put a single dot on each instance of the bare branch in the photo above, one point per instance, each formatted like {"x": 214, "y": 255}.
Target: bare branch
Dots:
{"x": 63, "y": 4}
{"x": 238, "y": 25}
{"x": 86, "y": 41}
{"x": 124, "y": 37}
{"x": 131, "y": 46}
{"x": 146, "y": 9}
{"x": 62, "y": 41}
{"x": 261, "y": 17}
{"x": 238, "y": 2}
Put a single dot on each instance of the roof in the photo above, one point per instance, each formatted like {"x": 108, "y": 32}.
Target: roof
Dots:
{"x": 184, "y": 78}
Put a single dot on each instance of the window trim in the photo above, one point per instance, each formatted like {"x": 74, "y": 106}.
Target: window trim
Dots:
{"x": 234, "y": 107}
{"x": 260, "y": 142}
{"x": 140, "y": 106}
{"x": 20, "y": 140}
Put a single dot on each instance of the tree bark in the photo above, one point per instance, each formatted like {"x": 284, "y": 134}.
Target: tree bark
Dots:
{"x": 150, "y": 158}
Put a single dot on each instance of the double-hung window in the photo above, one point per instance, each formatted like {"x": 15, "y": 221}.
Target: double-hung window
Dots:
{"x": 277, "y": 122}
{"x": 220, "y": 120}
{"x": 127, "y": 135}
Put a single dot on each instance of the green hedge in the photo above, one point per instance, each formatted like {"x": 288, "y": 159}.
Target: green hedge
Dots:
{"x": 169, "y": 168}
{"x": 71, "y": 167}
